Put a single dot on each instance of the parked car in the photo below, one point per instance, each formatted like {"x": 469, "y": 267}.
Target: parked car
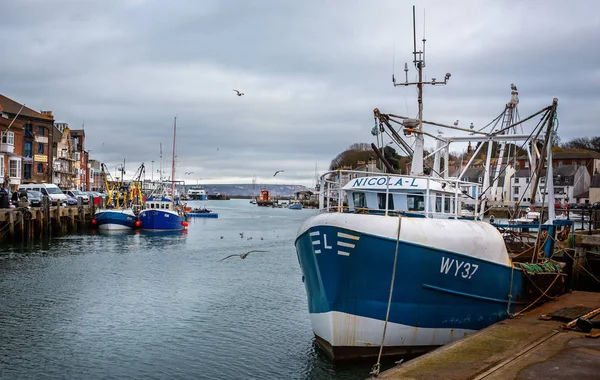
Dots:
{"x": 77, "y": 194}
{"x": 596, "y": 206}
{"x": 574, "y": 206}
{"x": 48, "y": 189}
{"x": 71, "y": 201}
{"x": 34, "y": 198}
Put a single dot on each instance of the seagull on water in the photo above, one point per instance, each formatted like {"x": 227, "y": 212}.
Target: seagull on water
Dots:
{"x": 238, "y": 93}
{"x": 278, "y": 171}
{"x": 242, "y": 255}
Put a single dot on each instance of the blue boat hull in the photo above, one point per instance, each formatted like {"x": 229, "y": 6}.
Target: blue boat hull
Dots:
{"x": 115, "y": 219}
{"x": 160, "y": 220}
{"x": 295, "y": 206}
{"x": 438, "y": 295}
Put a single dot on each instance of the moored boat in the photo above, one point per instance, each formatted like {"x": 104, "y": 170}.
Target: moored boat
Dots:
{"x": 162, "y": 211}
{"x": 115, "y": 219}
{"x": 295, "y": 205}
{"x": 394, "y": 260}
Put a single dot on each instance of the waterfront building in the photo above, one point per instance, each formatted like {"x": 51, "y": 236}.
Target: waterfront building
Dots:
{"x": 25, "y": 150}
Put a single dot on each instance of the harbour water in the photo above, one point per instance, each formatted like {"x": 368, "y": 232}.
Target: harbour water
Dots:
{"x": 155, "y": 306}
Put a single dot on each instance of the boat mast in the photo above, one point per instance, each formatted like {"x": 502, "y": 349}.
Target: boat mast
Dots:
{"x": 173, "y": 161}
{"x": 509, "y": 116}
{"x": 419, "y": 62}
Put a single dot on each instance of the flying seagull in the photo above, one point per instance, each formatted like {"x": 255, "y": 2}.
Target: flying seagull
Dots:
{"x": 242, "y": 255}
{"x": 238, "y": 93}
{"x": 278, "y": 171}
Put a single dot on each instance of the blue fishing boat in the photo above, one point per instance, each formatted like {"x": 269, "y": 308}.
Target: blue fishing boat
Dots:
{"x": 115, "y": 219}
{"x": 163, "y": 212}
{"x": 391, "y": 260}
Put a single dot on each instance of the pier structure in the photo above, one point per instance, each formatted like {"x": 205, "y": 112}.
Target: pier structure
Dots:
{"x": 25, "y": 223}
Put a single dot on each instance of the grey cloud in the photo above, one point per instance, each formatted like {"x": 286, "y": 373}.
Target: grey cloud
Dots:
{"x": 312, "y": 73}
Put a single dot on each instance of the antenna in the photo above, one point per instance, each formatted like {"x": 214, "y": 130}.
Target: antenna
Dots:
{"x": 394, "y": 64}
{"x": 412, "y": 125}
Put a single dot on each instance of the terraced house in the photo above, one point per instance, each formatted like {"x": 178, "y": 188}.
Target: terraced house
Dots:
{"x": 25, "y": 150}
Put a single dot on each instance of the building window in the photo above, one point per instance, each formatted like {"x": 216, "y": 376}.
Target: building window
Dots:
{"x": 516, "y": 199}
{"x": 40, "y": 148}
{"x": 480, "y": 179}
{"x": 28, "y": 131}
{"x": 560, "y": 163}
{"x": 27, "y": 150}
{"x": 526, "y": 164}
{"x": 526, "y": 179}
{"x": 8, "y": 138}
{"x": 40, "y": 168}
{"x": 582, "y": 162}
{"x": 27, "y": 171}
{"x": 516, "y": 180}
{"x": 2, "y": 166}
{"x": 360, "y": 201}
{"x": 381, "y": 199}
{"x": 41, "y": 131}
{"x": 14, "y": 168}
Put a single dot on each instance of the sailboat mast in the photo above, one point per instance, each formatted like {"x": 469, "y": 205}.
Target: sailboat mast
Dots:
{"x": 173, "y": 161}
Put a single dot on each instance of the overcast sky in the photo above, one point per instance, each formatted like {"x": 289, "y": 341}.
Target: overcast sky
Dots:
{"x": 312, "y": 72}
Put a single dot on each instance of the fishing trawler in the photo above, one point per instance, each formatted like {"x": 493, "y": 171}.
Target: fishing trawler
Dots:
{"x": 123, "y": 204}
{"x": 163, "y": 211}
{"x": 392, "y": 266}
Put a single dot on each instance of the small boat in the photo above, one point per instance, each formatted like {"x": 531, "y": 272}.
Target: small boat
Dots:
{"x": 202, "y": 213}
{"x": 295, "y": 205}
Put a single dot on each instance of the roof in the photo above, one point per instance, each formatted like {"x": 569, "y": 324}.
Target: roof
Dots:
{"x": 585, "y": 194}
{"x": 558, "y": 153}
{"x": 595, "y": 181}
{"x": 12, "y": 107}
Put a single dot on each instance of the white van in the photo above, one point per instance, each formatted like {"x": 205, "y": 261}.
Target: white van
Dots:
{"x": 49, "y": 189}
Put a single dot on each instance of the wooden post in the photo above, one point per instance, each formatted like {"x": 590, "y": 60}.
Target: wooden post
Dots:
{"x": 58, "y": 221}
{"x": 11, "y": 223}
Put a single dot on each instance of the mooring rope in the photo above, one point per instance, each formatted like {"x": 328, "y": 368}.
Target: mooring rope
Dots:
{"x": 377, "y": 367}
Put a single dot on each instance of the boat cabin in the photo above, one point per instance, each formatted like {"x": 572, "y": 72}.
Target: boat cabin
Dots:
{"x": 162, "y": 203}
{"x": 415, "y": 196}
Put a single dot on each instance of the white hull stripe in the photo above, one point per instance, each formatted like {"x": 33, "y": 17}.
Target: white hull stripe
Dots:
{"x": 347, "y": 236}
{"x": 316, "y": 242}
{"x": 342, "y": 329}
{"x": 344, "y": 244}
{"x": 343, "y": 253}
{"x": 317, "y": 251}
{"x": 315, "y": 233}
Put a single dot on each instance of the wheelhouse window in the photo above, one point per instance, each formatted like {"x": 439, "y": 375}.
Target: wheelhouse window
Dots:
{"x": 360, "y": 200}
{"x": 438, "y": 202}
{"x": 381, "y": 200}
{"x": 415, "y": 202}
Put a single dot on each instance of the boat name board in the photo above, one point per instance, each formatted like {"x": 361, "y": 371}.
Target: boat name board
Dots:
{"x": 386, "y": 181}
{"x": 458, "y": 268}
